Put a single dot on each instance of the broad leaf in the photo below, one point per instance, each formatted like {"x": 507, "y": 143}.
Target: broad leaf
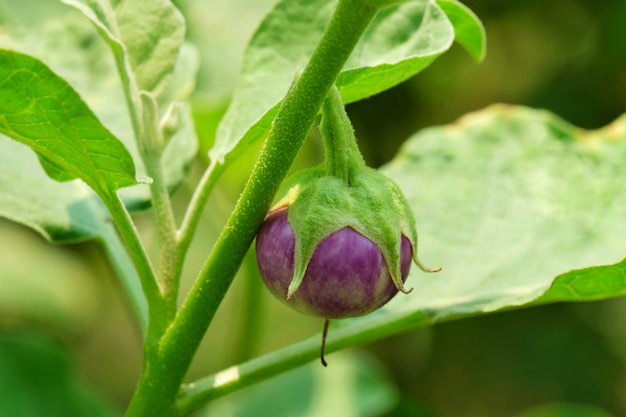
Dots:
{"x": 152, "y": 33}
{"x": 144, "y": 36}
{"x": 507, "y": 200}
{"x": 401, "y": 41}
{"x": 44, "y": 112}
{"x": 70, "y": 211}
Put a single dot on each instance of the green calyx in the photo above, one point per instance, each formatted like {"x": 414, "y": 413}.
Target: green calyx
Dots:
{"x": 344, "y": 192}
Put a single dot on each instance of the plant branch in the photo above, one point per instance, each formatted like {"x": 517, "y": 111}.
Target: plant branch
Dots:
{"x": 130, "y": 279}
{"x": 150, "y": 147}
{"x": 144, "y": 119}
{"x": 138, "y": 255}
{"x": 293, "y": 121}
{"x": 341, "y": 335}
{"x": 196, "y": 206}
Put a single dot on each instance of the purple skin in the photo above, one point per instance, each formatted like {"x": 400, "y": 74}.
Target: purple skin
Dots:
{"x": 346, "y": 277}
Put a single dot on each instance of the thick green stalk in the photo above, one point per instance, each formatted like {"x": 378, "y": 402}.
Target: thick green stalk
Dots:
{"x": 164, "y": 371}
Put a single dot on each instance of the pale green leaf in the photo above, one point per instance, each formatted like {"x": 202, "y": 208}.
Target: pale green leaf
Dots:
{"x": 147, "y": 42}
{"x": 402, "y": 40}
{"x": 507, "y": 200}
{"x": 152, "y": 32}
{"x": 144, "y": 36}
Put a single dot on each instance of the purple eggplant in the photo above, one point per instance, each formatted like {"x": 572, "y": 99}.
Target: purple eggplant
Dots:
{"x": 347, "y": 275}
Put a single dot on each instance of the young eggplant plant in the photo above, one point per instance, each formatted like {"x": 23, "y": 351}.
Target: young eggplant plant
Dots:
{"x": 340, "y": 239}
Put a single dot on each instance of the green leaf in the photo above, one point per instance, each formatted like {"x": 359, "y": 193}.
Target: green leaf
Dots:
{"x": 468, "y": 29}
{"x": 42, "y": 380}
{"x": 147, "y": 43}
{"x": 144, "y": 36}
{"x": 44, "y": 112}
{"x": 401, "y": 41}
{"x": 72, "y": 48}
{"x": 152, "y": 33}
{"x": 587, "y": 284}
{"x": 507, "y": 200}
{"x": 352, "y": 385}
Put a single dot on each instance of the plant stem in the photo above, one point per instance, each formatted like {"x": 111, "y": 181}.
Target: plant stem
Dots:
{"x": 138, "y": 255}
{"x": 144, "y": 117}
{"x": 130, "y": 280}
{"x": 342, "y": 156}
{"x": 150, "y": 148}
{"x": 163, "y": 373}
{"x": 197, "y": 204}
{"x": 342, "y": 335}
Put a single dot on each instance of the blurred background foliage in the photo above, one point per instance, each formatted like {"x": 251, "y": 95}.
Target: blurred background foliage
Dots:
{"x": 567, "y": 56}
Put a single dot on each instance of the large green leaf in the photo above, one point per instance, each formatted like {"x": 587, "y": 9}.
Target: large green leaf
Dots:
{"x": 401, "y": 41}
{"x": 507, "y": 200}
{"x": 43, "y": 111}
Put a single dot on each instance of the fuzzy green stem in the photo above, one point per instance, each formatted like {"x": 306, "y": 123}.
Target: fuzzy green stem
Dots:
{"x": 163, "y": 373}
{"x": 150, "y": 147}
{"x": 143, "y": 112}
{"x": 139, "y": 258}
{"x": 342, "y": 156}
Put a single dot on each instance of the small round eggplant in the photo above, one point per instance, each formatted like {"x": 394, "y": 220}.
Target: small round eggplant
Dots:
{"x": 347, "y": 275}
